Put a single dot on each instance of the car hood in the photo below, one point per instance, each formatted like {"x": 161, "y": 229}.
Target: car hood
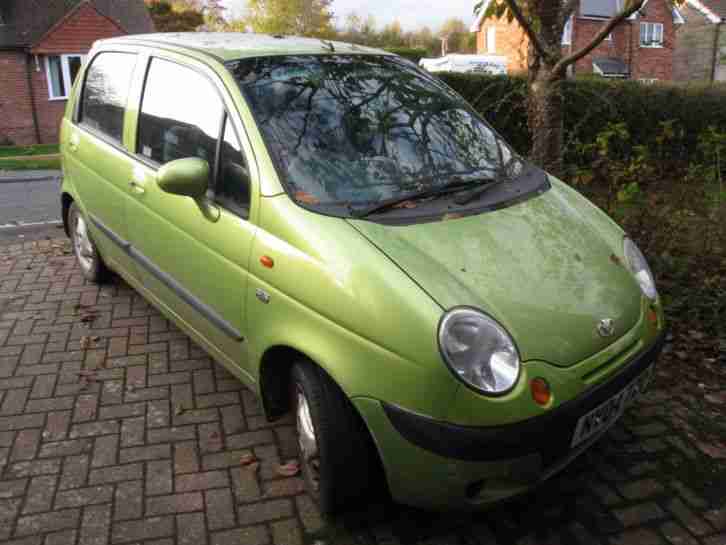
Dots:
{"x": 548, "y": 269}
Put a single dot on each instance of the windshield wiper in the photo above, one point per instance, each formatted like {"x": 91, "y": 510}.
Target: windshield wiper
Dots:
{"x": 467, "y": 198}
{"x": 456, "y": 184}
{"x": 503, "y": 176}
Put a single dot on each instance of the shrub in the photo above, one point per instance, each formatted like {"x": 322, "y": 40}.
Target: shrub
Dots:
{"x": 668, "y": 120}
{"x": 413, "y": 54}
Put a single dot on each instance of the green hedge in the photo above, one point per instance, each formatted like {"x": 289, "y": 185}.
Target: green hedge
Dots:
{"x": 413, "y": 54}
{"x": 591, "y": 104}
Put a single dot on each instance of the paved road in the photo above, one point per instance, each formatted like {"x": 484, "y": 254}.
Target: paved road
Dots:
{"x": 29, "y": 206}
{"x": 31, "y": 202}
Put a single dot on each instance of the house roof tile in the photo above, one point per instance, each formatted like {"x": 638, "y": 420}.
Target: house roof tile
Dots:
{"x": 27, "y": 21}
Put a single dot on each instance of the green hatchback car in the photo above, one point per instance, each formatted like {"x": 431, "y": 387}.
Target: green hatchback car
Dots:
{"x": 343, "y": 233}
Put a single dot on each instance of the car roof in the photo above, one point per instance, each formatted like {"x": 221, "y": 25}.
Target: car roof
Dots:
{"x": 227, "y": 46}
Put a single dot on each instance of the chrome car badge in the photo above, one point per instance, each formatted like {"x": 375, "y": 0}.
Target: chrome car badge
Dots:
{"x": 606, "y": 327}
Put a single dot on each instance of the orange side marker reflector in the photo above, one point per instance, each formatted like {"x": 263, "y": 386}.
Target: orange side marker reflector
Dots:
{"x": 652, "y": 316}
{"x": 267, "y": 261}
{"x": 541, "y": 392}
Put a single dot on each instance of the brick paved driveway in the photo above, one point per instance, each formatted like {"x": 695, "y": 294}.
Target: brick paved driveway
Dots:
{"x": 95, "y": 450}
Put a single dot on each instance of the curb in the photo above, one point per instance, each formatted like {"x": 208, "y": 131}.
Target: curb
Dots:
{"x": 19, "y": 176}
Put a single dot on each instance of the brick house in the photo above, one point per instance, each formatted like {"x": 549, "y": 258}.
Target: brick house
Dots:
{"x": 639, "y": 48}
{"x": 700, "y": 53}
{"x": 42, "y": 46}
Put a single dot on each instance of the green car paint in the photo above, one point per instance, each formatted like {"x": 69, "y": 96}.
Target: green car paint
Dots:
{"x": 360, "y": 298}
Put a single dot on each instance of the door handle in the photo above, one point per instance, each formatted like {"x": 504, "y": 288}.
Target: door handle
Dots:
{"x": 137, "y": 188}
{"x": 73, "y": 142}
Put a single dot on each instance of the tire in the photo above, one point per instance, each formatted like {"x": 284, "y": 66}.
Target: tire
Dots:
{"x": 85, "y": 250}
{"x": 348, "y": 469}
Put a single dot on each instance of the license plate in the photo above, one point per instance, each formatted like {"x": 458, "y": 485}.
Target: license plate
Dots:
{"x": 604, "y": 415}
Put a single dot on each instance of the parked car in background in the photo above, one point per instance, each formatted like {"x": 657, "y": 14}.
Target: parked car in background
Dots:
{"x": 482, "y": 64}
{"x": 351, "y": 240}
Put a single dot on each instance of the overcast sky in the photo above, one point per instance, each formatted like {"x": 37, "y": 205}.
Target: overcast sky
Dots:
{"x": 410, "y": 13}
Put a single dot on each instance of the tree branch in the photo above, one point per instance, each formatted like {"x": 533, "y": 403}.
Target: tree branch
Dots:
{"x": 599, "y": 37}
{"x": 527, "y": 27}
{"x": 568, "y": 8}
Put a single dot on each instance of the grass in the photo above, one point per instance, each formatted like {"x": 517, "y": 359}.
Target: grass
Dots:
{"x": 22, "y": 151}
{"x": 52, "y": 162}
{"x": 37, "y": 157}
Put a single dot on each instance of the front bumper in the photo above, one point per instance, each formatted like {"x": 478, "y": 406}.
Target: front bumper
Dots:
{"x": 436, "y": 464}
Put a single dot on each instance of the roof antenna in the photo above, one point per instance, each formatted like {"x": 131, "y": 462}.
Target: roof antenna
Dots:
{"x": 329, "y": 45}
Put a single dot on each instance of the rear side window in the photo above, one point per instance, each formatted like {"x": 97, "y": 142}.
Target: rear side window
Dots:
{"x": 105, "y": 93}
{"x": 181, "y": 115}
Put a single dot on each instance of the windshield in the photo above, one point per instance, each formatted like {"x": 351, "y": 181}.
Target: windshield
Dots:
{"x": 356, "y": 130}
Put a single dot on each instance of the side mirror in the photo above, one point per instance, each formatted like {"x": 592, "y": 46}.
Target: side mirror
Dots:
{"x": 188, "y": 177}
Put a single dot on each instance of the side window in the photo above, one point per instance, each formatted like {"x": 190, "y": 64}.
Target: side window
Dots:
{"x": 105, "y": 93}
{"x": 181, "y": 115}
{"x": 233, "y": 180}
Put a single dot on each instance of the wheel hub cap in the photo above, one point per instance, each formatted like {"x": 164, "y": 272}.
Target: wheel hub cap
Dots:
{"x": 307, "y": 440}
{"x": 83, "y": 247}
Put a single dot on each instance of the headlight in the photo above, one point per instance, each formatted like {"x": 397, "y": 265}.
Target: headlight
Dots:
{"x": 639, "y": 267}
{"x": 479, "y": 351}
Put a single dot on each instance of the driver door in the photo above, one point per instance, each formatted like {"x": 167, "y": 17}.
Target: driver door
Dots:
{"x": 192, "y": 255}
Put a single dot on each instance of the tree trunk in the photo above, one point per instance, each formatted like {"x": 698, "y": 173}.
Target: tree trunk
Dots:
{"x": 545, "y": 116}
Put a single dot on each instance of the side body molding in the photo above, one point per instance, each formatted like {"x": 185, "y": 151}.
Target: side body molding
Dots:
{"x": 184, "y": 294}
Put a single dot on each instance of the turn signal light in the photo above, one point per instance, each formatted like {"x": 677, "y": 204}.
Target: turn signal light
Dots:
{"x": 541, "y": 392}
{"x": 267, "y": 261}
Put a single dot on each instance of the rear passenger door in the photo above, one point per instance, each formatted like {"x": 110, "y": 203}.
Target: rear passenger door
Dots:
{"x": 193, "y": 254}
{"x": 96, "y": 161}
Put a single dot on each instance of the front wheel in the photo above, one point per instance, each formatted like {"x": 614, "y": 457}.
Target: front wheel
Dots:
{"x": 85, "y": 250}
{"x": 337, "y": 457}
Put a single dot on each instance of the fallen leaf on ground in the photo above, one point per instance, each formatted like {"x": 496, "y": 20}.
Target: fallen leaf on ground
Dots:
{"x": 85, "y": 342}
{"x": 247, "y": 459}
{"x": 290, "y": 469}
{"x": 89, "y": 316}
{"x": 178, "y": 410}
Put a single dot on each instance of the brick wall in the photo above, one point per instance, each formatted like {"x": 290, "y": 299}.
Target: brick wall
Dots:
{"x": 75, "y": 34}
{"x": 693, "y": 56}
{"x": 654, "y": 62}
{"x": 16, "y": 121}
{"x": 78, "y": 31}
{"x": 510, "y": 43}
{"x": 49, "y": 111}
{"x": 625, "y": 44}
{"x": 583, "y": 31}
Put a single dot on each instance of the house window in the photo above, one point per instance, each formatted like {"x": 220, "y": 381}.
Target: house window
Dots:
{"x": 491, "y": 40}
{"x": 567, "y": 32}
{"x": 651, "y": 34}
{"x": 61, "y": 71}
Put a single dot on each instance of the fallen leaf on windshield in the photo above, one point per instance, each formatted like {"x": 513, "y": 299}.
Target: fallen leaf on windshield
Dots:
{"x": 290, "y": 469}
{"x": 405, "y": 204}
{"x": 307, "y": 198}
{"x": 615, "y": 259}
{"x": 451, "y": 217}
